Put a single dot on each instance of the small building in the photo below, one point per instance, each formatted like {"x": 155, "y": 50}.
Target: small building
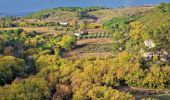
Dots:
{"x": 64, "y": 23}
{"x": 77, "y": 34}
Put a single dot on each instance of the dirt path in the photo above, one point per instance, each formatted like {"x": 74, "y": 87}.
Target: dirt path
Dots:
{"x": 143, "y": 90}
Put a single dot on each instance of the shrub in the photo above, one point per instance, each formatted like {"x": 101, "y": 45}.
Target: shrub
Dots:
{"x": 10, "y": 68}
{"x": 31, "y": 88}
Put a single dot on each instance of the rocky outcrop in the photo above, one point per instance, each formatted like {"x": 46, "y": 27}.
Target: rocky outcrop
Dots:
{"x": 162, "y": 55}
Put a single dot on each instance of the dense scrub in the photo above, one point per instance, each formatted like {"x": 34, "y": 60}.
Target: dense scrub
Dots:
{"x": 80, "y": 12}
{"x": 119, "y": 24}
{"x": 151, "y": 29}
{"x": 31, "y": 88}
{"x": 19, "y": 22}
{"x": 10, "y": 68}
{"x": 41, "y": 54}
{"x": 24, "y": 45}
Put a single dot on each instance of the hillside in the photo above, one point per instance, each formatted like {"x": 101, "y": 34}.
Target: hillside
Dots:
{"x": 106, "y": 15}
{"x": 92, "y": 53}
{"x": 102, "y": 14}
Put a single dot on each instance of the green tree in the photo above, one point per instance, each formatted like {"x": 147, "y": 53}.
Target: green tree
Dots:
{"x": 31, "y": 88}
{"x": 67, "y": 42}
{"x": 10, "y": 68}
{"x": 107, "y": 93}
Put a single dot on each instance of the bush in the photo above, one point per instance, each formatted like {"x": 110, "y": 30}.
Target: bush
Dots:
{"x": 164, "y": 7}
{"x": 85, "y": 36}
{"x": 10, "y": 68}
{"x": 67, "y": 42}
{"x": 119, "y": 24}
{"x": 102, "y": 35}
{"x": 31, "y": 88}
{"x": 98, "y": 35}
{"x": 18, "y": 31}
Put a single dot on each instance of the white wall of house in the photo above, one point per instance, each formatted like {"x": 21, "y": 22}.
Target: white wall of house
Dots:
{"x": 64, "y": 23}
{"x": 77, "y": 34}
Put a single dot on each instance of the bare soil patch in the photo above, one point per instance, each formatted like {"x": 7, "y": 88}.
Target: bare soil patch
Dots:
{"x": 96, "y": 30}
{"x": 94, "y": 41}
{"x": 78, "y": 55}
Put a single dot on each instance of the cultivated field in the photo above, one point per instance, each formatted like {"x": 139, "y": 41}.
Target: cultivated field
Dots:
{"x": 97, "y": 47}
{"x": 95, "y": 41}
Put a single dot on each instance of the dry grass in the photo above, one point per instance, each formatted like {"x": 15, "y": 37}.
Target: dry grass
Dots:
{"x": 61, "y": 16}
{"x": 103, "y": 15}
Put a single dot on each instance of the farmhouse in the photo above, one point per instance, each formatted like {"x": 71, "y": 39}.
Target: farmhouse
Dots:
{"x": 64, "y": 23}
{"x": 77, "y": 34}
